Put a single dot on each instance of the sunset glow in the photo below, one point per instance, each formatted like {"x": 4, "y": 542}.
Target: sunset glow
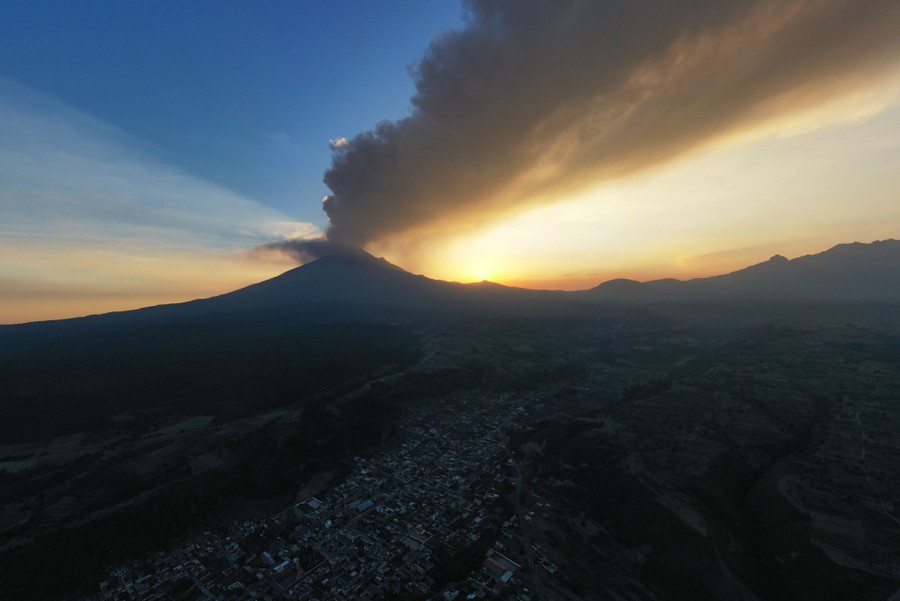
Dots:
{"x": 791, "y": 189}
{"x": 715, "y": 142}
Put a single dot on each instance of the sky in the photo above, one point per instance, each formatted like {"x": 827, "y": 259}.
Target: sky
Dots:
{"x": 154, "y": 152}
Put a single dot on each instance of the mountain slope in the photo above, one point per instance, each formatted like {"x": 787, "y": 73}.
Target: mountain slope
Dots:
{"x": 347, "y": 284}
{"x": 352, "y": 284}
{"x": 845, "y": 273}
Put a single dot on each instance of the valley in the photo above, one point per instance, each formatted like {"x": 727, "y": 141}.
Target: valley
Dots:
{"x": 641, "y": 461}
{"x": 434, "y": 440}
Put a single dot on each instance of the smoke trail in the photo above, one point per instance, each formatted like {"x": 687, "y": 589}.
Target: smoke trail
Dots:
{"x": 534, "y": 99}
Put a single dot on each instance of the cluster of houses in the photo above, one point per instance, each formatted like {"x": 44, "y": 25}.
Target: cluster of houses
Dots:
{"x": 384, "y": 532}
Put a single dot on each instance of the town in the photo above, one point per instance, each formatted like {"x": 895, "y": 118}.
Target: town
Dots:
{"x": 401, "y": 525}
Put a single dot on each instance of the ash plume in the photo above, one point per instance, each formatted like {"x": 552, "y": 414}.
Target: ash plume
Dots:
{"x": 303, "y": 250}
{"x": 535, "y": 99}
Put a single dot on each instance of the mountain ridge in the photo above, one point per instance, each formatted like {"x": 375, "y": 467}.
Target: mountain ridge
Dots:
{"x": 850, "y": 272}
{"x": 353, "y": 278}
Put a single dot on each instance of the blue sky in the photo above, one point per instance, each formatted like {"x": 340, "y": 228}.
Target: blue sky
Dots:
{"x": 149, "y": 151}
{"x": 244, "y": 95}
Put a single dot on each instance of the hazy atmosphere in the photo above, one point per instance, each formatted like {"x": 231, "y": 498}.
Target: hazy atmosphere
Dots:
{"x": 433, "y": 300}
{"x": 542, "y": 145}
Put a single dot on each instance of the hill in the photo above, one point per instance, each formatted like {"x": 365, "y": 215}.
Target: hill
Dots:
{"x": 845, "y": 273}
{"x": 640, "y": 427}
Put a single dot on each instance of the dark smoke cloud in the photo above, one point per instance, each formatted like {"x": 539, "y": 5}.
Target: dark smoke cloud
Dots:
{"x": 534, "y": 99}
{"x": 302, "y": 250}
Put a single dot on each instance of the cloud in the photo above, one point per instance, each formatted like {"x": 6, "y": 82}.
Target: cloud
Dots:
{"x": 92, "y": 219}
{"x": 535, "y": 100}
{"x": 301, "y": 250}
{"x": 338, "y": 143}
{"x": 67, "y": 176}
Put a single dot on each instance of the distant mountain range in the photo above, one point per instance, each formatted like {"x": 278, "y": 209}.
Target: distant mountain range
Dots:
{"x": 845, "y": 273}
{"x": 354, "y": 284}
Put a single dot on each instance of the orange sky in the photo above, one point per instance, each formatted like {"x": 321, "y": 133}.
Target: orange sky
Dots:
{"x": 792, "y": 188}
{"x": 93, "y": 220}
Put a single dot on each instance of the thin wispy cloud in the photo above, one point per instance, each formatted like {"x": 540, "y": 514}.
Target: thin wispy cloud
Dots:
{"x": 72, "y": 186}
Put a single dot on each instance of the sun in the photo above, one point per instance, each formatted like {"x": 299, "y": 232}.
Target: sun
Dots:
{"x": 482, "y": 272}
{"x": 477, "y": 272}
